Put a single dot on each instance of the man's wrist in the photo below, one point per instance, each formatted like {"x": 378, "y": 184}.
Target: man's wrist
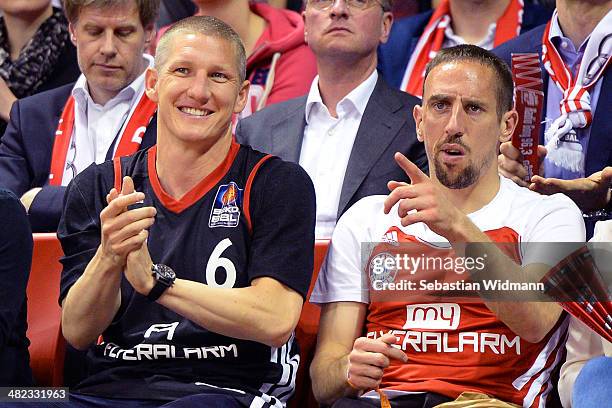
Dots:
{"x": 106, "y": 263}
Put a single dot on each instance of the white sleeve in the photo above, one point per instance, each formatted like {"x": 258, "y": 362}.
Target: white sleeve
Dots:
{"x": 582, "y": 345}
{"x": 554, "y": 219}
{"x": 342, "y": 278}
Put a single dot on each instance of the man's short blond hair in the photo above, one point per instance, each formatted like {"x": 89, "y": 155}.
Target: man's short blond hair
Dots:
{"x": 208, "y": 26}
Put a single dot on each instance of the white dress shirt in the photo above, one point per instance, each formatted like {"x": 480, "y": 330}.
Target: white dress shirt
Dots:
{"x": 327, "y": 146}
{"x": 451, "y": 39}
{"x": 96, "y": 127}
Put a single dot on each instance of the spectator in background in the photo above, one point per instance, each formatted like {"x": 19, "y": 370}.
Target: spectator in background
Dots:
{"x": 54, "y": 135}
{"x": 577, "y": 158}
{"x": 171, "y": 11}
{"x": 414, "y": 40}
{"x": 585, "y": 377}
{"x": 35, "y": 52}
{"x": 280, "y": 65}
{"x": 16, "y": 254}
{"x": 346, "y": 130}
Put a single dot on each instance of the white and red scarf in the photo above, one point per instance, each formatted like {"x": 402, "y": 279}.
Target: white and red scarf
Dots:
{"x": 563, "y": 147}
{"x": 508, "y": 26}
{"x": 128, "y": 143}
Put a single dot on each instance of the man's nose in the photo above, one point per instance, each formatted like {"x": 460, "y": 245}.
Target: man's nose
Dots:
{"x": 456, "y": 121}
{"x": 109, "y": 48}
{"x": 199, "y": 89}
{"x": 339, "y": 8}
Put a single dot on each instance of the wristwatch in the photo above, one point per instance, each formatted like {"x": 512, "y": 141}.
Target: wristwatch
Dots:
{"x": 164, "y": 276}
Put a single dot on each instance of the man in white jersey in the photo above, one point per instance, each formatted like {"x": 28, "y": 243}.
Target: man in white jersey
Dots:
{"x": 503, "y": 349}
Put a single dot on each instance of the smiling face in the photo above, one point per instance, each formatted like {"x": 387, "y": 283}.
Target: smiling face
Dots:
{"x": 110, "y": 43}
{"x": 459, "y": 123}
{"x": 197, "y": 89}
{"x": 341, "y": 30}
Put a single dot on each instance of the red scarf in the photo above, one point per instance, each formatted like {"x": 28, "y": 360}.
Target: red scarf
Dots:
{"x": 508, "y": 27}
{"x": 129, "y": 140}
{"x": 562, "y": 142}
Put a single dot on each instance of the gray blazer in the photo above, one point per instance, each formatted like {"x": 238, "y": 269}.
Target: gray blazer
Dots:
{"x": 387, "y": 127}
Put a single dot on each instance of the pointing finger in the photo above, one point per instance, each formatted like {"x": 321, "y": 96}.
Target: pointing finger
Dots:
{"x": 415, "y": 174}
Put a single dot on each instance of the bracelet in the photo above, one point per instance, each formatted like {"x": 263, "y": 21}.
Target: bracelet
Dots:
{"x": 353, "y": 386}
{"x": 349, "y": 381}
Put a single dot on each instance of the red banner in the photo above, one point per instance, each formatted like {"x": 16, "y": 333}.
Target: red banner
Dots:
{"x": 528, "y": 102}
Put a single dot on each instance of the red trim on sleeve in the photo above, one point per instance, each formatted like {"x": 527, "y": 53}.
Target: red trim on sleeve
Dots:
{"x": 197, "y": 192}
{"x": 247, "y": 192}
{"x": 118, "y": 173}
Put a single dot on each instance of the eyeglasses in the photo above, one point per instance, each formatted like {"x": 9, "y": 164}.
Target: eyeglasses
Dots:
{"x": 354, "y": 4}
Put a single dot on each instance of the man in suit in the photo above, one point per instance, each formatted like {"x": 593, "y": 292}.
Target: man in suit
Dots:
{"x": 54, "y": 135}
{"x": 346, "y": 130}
{"x": 414, "y": 40}
{"x": 577, "y": 36}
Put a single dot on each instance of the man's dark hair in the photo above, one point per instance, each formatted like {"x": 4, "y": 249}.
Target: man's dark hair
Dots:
{"x": 209, "y": 26}
{"x": 147, "y": 9}
{"x": 472, "y": 53}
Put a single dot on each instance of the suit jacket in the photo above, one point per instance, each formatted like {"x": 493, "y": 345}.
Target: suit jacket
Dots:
{"x": 25, "y": 153}
{"x": 393, "y": 56}
{"x": 386, "y": 127}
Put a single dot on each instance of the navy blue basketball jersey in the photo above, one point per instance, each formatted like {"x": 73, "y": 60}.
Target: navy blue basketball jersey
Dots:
{"x": 253, "y": 216}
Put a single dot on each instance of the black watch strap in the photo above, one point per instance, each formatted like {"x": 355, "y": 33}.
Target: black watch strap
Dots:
{"x": 164, "y": 277}
{"x": 159, "y": 288}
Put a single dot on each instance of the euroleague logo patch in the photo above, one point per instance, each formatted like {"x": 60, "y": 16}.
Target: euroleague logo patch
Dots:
{"x": 226, "y": 207}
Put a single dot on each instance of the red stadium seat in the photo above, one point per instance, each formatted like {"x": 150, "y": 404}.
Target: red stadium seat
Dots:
{"x": 306, "y": 334}
{"x": 47, "y": 346}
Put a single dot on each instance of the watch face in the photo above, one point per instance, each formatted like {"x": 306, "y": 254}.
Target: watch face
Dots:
{"x": 164, "y": 272}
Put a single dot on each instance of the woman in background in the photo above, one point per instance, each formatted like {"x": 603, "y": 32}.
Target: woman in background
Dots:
{"x": 35, "y": 51}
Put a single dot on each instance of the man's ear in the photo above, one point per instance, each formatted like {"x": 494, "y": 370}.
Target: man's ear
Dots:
{"x": 305, "y": 30}
{"x": 149, "y": 35}
{"x": 387, "y": 23}
{"x": 507, "y": 126}
{"x": 71, "y": 30}
{"x": 417, "y": 114}
{"x": 243, "y": 97}
{"x": 151, "y": 77}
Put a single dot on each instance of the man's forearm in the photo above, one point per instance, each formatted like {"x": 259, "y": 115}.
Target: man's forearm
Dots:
{"x": 266, "y": 312}
{"x": 530, "y": 320}
{"x": 91, "y": 303}
{"x": 329, "y": 379}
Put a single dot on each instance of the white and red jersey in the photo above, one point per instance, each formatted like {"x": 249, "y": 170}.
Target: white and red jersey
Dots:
{"x": 462, "y": 346}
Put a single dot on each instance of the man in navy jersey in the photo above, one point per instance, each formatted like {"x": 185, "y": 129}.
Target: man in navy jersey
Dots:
{"x": 191, "y": 259}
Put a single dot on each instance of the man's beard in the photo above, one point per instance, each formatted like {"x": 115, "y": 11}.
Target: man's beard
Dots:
{"x": 465, "y": 178}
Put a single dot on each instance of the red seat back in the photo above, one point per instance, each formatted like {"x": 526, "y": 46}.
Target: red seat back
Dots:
{"x": 47, "y": 346}
{"x": 306, "y": 334}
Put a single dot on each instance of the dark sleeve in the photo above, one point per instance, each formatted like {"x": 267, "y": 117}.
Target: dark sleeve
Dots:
{"x": 283, "y": 219}
{"x": 16, "y": 254}
{"x": 15, "y": 172}
{"x": 79, "y": 229}
{"x": 46, "y": 209}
